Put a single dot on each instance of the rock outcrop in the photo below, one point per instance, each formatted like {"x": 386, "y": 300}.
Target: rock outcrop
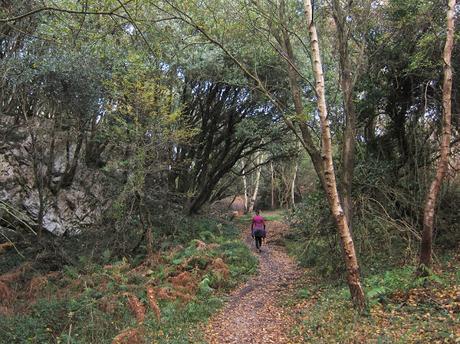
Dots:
{"x": 65, "y": 209}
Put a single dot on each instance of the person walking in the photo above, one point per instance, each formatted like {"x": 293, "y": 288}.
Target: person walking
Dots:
{"x": 258, "y": 229}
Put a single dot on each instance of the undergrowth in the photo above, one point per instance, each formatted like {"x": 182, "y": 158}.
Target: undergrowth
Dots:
{"x": 128, "y": 300}
{"x": 402, "y": 308}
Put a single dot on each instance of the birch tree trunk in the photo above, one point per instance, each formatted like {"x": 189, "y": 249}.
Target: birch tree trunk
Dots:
{"x": 296, "y": 92}
{"x": 432, "y": 196}
{"x": 245, "y": 187}
{"x": 272, "y": 170}
{"x": 256, "y": 185}
{"x": 294, "y": 177}
{"x": 351, "y": 261}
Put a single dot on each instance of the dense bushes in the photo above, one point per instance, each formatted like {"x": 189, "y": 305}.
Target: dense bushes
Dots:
{"x": 386, "y": 222}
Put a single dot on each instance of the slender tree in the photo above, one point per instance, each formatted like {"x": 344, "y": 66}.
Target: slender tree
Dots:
{"x": 245, "y": 187}
{"x": 255, "y": 192}
{"x": 307, "y": 140}
{"x": 351, "y": 261}
{"x": 433, "y": 192}
{"x": 294, "y": 177}
{"x": 347, "y": 82}
{"x": 272, "y": 185}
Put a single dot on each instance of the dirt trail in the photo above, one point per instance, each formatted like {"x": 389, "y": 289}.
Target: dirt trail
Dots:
{"x": 252, "y": 314}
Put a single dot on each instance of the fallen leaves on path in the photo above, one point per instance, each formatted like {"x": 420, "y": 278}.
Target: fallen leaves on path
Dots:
{"x": 253, "y": 314}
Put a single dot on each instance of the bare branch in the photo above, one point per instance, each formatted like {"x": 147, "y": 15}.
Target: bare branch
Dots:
{"x": 63, "y": 10}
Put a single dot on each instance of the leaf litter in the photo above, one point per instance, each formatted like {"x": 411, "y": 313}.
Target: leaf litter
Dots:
{"x": 253, "y": 313}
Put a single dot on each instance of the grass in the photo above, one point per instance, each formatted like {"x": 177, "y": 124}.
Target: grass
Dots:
{"x": 93, "y": 303}
{"x": 269, "y": 215}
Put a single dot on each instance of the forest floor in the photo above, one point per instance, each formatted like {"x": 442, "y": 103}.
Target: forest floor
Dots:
{"x": 254, "y": 313}
{"x": 286, "y": 303}
{"x": 187, "y": 295}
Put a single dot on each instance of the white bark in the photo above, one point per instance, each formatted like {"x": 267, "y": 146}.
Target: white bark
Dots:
{"x": 256, "y": 184}
{"x": 351, "y": 261}
{"x": 245, "y": 186}
{"x": 294, "y": 177}
{"x": 272, "y": 170}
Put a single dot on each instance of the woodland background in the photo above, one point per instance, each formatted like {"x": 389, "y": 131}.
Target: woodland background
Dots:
{"x": 132, "y": 131}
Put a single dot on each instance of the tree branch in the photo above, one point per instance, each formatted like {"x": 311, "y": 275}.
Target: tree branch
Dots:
{"x": 63, "y": 10}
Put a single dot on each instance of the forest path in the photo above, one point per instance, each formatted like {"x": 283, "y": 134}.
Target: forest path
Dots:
{"x": 253, "y": 314}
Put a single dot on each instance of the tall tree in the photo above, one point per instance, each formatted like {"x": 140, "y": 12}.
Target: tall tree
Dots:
{"x": 351, "y": 260}
{"x": 433, "y": 192}
{"x": 294, "y": 177}
{"x": 347, "y": 82}
{"x": 296, "y": 93}
{"x": 272, "y": 185}
{"x": 255, "y": 191}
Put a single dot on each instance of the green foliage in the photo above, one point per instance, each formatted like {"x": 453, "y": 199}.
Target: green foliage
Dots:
{"x": 386, "y": 220}
{"x": 241, "y": 261}
{"x": 381, "y": 285}
{"x": 178, "y": 323}
{"x": 204, "y": 286}
{"x": 314, "y": 240}
{"x": 303, "y": 293}
{"x": 122, "y": 90}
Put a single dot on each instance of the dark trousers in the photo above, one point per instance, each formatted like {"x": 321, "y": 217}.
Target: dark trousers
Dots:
{"x": 258, "y": 241}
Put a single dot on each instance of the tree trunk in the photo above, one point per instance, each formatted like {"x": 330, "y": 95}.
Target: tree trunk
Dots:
{"x": 256, "y": 186}
{"x": 49, "y": 169}
{"x": 272, "y": 170}
{"x": 351, "y": 261}
{"x": 432, "y": 196}
{"x": 149, "y": 243}
{"x": 71, "y": 168}
{"x": 38, "y": 176}
{"x": 349, "y": 136}
{"x": 37, "y": 167}
{"x": 293, "y": 184}
{"x": 296, "y": 92}
{"x": 245, "y": 186}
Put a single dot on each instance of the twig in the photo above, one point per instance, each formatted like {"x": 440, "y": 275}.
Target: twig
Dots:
{"x": 10, "y": 210}
{"x": 14, "y": 246}
{"x": 63, "y": 10}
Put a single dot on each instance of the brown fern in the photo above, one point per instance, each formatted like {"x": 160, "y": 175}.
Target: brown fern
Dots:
{"x": 6, "y": 294}
{"x": 6, "y": 311}
{"x": 153, "y": 302}
{"x": 36, "y": 284}
{"x": 219, "y": 266}
{"x": 15, "y": 274}
{"x": 136, "y": 307}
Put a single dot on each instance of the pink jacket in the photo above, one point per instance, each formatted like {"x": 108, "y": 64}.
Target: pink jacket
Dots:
{"x": 258, "y": 222}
